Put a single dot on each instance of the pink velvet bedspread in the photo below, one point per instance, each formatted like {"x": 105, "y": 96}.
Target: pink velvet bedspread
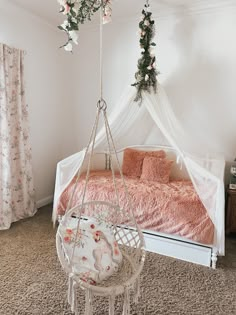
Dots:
{"x": 172, "y": 208}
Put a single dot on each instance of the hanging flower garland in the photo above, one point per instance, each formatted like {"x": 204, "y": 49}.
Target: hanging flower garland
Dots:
{"x": 146, "y": 76}
{"x": 78, "y": 12}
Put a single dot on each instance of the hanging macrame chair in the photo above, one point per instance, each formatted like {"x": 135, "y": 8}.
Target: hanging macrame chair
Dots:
{"x": 119, "y": 222}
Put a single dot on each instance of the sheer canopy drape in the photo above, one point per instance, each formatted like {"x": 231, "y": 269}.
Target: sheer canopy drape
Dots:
{"x": 16, "y": 181}
{"x": 131, "y": 124}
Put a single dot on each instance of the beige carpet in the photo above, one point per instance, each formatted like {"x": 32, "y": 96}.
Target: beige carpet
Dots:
{"x": 32, "y": 281}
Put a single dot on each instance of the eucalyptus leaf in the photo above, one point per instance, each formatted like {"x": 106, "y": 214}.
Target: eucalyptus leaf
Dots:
{"x": 146, "y": 75}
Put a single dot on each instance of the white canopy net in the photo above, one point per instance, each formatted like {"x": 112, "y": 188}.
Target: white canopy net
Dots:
{"x": 131, "y": 125}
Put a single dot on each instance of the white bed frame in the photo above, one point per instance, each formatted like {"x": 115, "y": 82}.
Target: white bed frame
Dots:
{"x": 161, "y": 243}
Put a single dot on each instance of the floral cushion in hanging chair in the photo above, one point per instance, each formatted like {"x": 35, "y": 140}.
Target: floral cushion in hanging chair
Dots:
{"x": 96, "y": 252}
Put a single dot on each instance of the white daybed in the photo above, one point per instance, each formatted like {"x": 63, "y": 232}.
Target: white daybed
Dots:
{"x": 171, "y": 245}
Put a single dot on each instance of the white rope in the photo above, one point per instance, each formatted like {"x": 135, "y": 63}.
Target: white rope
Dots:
{"x": 101, "y": 51}
{"x": 121, "y": 174}
{"x": 72, "y": 296}
{"x": 137, "y": 290}
{"x": 126, "y": 306}
{"x": 86, "y": 180}
{"x": 78, "y": 174}
{"x": 88, "y": 302}
{"x": 74, "y": 299}
{"x": 90, "y": 158}
{"x": 112, "y": 303}
{"x": 111, "y": 160}
{"x": 72, "y": 287}
{"x": 101, "y": 98}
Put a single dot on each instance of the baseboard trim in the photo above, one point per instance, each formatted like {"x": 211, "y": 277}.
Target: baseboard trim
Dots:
{"x": 45, "y": 201}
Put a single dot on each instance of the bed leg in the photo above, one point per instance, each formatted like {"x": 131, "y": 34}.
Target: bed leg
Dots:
{"x": 214, "y": 258}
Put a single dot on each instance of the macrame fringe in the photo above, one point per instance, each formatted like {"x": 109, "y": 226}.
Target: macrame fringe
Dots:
{"x": 112, "y": 304}
{"x": 74, "y": 305}
{"x": 70, "y": 288}
{"x": 88, "y": 302}
{"x": 136, "y": 290}
{"x": 72, "y": 300}
{"x": 126, "y": 306}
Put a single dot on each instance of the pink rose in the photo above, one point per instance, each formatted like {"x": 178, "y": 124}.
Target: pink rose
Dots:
{"x": 67, "y": 239}
{"x": 66, "y": 8}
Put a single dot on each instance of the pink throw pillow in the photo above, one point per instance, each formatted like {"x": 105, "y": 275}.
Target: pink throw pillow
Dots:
{"x": 155, "y": 169}
{"x": 133, "y": 160}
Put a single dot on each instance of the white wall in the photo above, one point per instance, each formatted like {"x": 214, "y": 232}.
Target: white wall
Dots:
{"x": 196, "y": 57}
{"x": 50, "y": 92}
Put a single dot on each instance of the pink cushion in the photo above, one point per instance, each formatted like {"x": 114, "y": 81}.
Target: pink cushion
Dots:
{"x": 133, "y": 160}
{"x": 156, "y": 169}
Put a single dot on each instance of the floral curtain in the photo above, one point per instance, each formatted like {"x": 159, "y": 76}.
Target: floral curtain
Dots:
{"x": 16, "y": 183}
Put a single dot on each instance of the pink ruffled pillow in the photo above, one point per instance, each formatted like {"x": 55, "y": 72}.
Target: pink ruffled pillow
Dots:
{"x": 133, "y": 160}
{"x": 155, "y": 169}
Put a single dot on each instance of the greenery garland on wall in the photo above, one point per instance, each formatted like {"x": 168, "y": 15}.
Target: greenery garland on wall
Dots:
{"x": 146, "y": 76}
{"x": 77, "y": 12}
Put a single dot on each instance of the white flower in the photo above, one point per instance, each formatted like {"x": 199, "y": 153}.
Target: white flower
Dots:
{"x": 61, "y": 2}
{"x": 64, "y": 24}
{"x": 149, "y": 67}
{"x": 146, "y": 77}
{"x": 74, "y": 9}
{"x": 108, "y": 10}
{"x": 106, "y": 19}
{"x": 68, "y": 47}
{"x": 146, "y": 23}
{"x": 152, "y": 52}
{"x": 73, "y": 35}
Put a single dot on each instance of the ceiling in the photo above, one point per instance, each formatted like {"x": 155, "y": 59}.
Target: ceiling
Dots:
{"x": 48, "y": 10}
